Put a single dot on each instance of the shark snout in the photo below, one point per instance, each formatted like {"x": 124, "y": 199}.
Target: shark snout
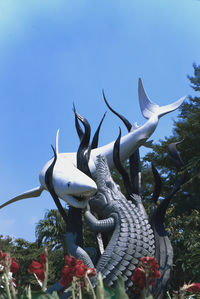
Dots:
{"x": 76, "y": 193}
{"x": 84, "y": 189}
{"x": 76, "y": 183}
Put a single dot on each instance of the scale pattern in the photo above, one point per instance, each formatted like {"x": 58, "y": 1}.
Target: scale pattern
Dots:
{"x": 132, "y": 236}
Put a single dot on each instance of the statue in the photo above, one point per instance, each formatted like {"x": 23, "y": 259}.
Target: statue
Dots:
{"x": 84, "y": 181}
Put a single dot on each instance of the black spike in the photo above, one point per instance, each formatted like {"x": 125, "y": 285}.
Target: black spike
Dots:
{"x": 135, "y": 169}
{"x": 49, "y": 185}
{"x": 78, "y": 127}
{"x": 175, "y": 155}
{"x": 125, "y": 121}
{"x": 119, "y": 166}
{"x": 83, "y": 153}
{"x": 96, "y": 135}
{"x": 134, "y": 160}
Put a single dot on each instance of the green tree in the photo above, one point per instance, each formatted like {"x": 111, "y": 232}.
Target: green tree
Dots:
{"x": 183, "y": 218}
{"x": 51, "y": 231}
{"x": 5, "y": 243}
{"x": 23, "y": 252}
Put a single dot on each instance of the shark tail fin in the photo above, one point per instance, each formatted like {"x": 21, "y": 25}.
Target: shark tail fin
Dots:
{"x": 28, "y": 194}
{"x": 149, "y": 108}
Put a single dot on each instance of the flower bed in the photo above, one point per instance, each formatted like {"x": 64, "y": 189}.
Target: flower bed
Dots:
{"x": 76, "y": 278}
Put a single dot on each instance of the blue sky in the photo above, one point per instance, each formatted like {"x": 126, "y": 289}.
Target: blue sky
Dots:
{"x": 54, "y": 53}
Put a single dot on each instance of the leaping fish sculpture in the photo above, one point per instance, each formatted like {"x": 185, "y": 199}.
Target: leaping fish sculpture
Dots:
{"x": 75, "y": 187}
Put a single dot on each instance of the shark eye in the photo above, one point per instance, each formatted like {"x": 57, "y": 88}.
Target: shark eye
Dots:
{"x": 68, "y": 184}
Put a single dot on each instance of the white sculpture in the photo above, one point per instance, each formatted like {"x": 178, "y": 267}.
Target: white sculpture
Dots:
{"x": 72, "y": 185}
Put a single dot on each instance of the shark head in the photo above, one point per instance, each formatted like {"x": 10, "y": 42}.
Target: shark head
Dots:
{"x": 69, "y": 183}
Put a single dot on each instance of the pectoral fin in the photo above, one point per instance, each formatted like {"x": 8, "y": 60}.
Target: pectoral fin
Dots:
{"x": 28, "y": 194}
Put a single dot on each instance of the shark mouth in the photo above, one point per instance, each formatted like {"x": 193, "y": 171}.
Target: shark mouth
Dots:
{"x": 79, "y": 202}
{"x": 80, "y": 198}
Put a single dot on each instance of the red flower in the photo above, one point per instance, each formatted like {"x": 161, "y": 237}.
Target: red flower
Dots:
{"x": 14, "y": 266}
{"x": 75, "y": 261}
{"x": 91, "y": 272}
{"x": 139, "y": 278}
{"x": 65, "y": 280}
{"x": 195, "y": 288}
{"x": 2, "y": 256}
{"x": 147, "y": 271}
{"x": 66, "y": 270}
{"x": 67, "y": 260}
{"x": 74, "y": 267}
{"x": 11, "y": 261}
{"x": 38, "y": 269}
{"x": 149, "y": 263}
{"x": 80, "y": 270}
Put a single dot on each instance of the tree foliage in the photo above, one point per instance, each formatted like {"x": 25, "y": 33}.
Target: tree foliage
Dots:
{"x": 24, "y": 253}
{"x": 183, "y": 218}
{"x": 51, "y": 231}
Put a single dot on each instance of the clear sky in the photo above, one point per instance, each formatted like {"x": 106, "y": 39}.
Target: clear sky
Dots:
{"x": 56, "y": 52}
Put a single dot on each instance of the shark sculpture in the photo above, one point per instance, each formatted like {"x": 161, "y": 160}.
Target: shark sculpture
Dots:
{"x": 75, "y": 187}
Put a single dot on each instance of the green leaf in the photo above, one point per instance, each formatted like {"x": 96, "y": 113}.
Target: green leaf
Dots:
{"x": 145, "y": 296}
{"x": 109, "y": 293}
{"x": 100, "y": 287}
{"x": 120, "y": 289}
{"x": 3, "y": 294}
{"x": 102, "y": 291}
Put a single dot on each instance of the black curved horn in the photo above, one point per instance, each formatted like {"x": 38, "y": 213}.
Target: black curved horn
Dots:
{"x": 175, "y": 155}
{"x": 83, "y": 153}
{"x": 134, "y": 159}
{"x": 49, "y": 185}
{"x": 78, "y": 127}
{"x": 95, "y": 139}
{"x": 119, "y": 166}
{"x": 135, "y": 171}
{"x": 125, "y": 121}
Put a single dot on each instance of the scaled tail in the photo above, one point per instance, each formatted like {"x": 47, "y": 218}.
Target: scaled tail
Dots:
{"x": 149, "y": 108}
{"x": 28, "y": 194}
